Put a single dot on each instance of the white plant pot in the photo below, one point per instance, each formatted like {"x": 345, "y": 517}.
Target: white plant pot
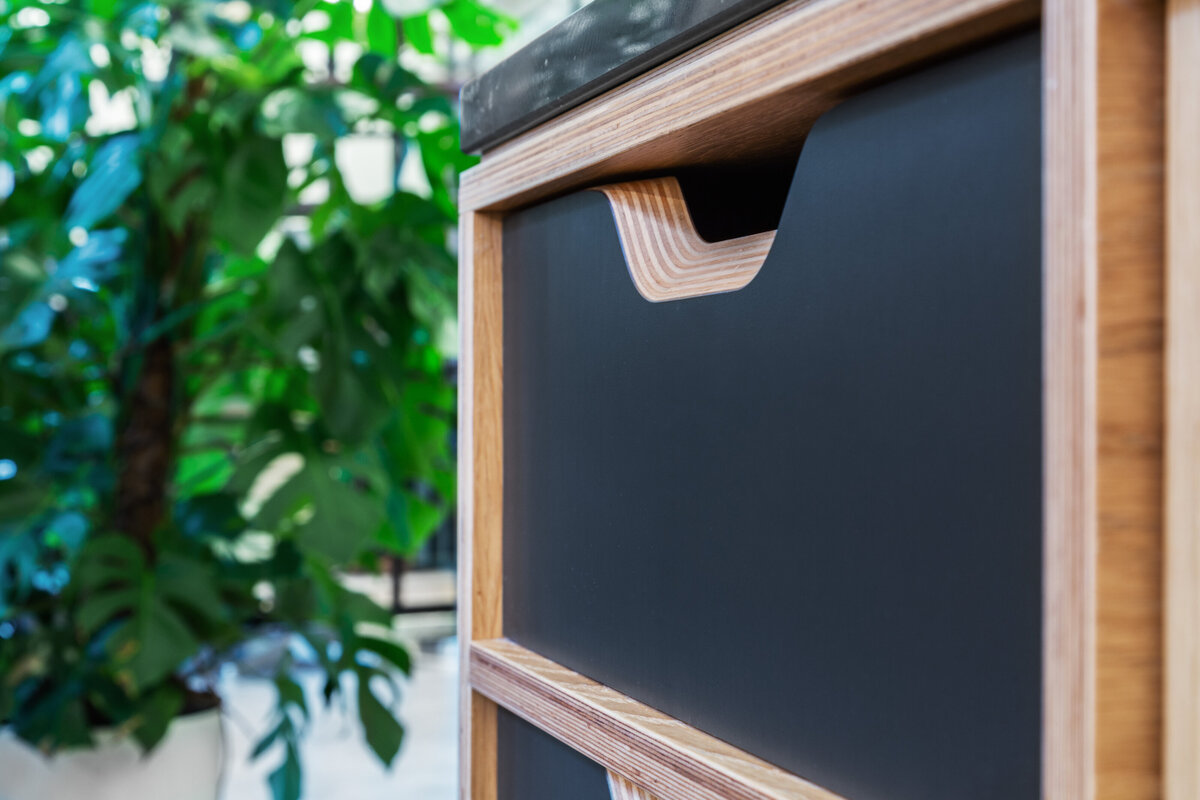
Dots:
{"x": 186, "y": 765}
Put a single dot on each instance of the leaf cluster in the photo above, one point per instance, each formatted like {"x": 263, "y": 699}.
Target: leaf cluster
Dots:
{"x": 196, "y": 304}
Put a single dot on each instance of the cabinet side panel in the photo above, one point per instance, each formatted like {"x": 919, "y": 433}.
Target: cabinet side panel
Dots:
{"x": 1130, "y": 400}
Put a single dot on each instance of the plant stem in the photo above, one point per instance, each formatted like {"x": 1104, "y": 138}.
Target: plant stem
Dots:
{"x": 145, "y": 446}
{"x": 148, "y": 435}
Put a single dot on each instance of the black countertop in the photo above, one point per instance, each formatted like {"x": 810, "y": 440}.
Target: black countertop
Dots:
{"x": 598, "y": 47}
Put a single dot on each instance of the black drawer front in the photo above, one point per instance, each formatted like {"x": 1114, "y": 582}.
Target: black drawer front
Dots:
{"x": 536, "y": 766}
{"x": 805, "y": 517}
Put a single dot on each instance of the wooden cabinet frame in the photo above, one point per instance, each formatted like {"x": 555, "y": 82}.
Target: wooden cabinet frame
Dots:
{"x": 1181, "y": 774}
{"x": 737, "y": 97}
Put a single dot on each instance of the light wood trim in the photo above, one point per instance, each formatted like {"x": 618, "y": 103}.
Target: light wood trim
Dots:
{"x": 1182, "y": 696}
{"x": 1103, "y": 384}
{"x": 1069, "y": 308}
{"x": 660, "y": 754}
{"x": 622, "y": 789}
{"x": 667, "y": 258}
{"x": 480, "y": 485}
{"x": 741, "y": 95}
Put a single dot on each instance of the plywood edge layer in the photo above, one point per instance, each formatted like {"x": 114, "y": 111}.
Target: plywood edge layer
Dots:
{"x": 654, "y": 752}
{"x": 622, "y": 789}
{"x": 1182, "y": 694}
{"x": 667, "y": 258}
{"x": 735, "y": 97}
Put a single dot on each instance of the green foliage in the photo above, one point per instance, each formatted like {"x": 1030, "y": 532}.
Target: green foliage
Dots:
{"x": 216, "y": 394}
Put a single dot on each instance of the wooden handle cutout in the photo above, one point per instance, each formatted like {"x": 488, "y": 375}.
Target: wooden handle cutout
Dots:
{"x": 667, "y": 258}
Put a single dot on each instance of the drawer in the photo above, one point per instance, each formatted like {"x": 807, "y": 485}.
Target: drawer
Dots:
{"x": 804, "y": 515}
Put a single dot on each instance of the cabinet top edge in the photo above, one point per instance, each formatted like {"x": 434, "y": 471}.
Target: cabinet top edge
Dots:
{"x": 600, "y": 46}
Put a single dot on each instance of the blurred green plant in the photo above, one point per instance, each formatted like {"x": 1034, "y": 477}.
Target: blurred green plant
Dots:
{"x": 214, "y": 397}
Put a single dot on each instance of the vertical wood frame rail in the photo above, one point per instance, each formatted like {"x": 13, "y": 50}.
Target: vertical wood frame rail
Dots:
{"x": 1182, "y": 725}
{"x": 762, "y": 83}
{"x": 480, "y": 485}
{"x": 1103, "y": 399}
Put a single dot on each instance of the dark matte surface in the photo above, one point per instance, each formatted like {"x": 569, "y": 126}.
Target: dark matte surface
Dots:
{"x": 806, "y": 516}
{"x": 761, "y": 191}
{"x": 598, "y": 47}
{"x": 536, "y": 766}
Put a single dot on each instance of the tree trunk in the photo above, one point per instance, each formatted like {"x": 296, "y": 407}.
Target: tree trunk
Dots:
{"x": 146, "y": 446}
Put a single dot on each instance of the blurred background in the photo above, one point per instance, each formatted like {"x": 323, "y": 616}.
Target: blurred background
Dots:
{"x": 228, "y": 360}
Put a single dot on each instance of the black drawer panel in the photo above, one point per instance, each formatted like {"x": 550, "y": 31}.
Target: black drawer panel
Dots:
{"x": 806, "y": 517}
{"x": 536, "y": 766}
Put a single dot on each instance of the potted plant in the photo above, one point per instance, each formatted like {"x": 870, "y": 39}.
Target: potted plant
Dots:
{"x": 223, "y": 373}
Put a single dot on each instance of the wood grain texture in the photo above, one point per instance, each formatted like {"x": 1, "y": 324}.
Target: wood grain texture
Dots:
{"x": 667, "y": 258}
{"x": 657, "y": 753}
{"x": 1129, "y": 406}
{"x": 1103, "y": 399}
{"x": 1182, "y": 696}
{"x": 1070, "y": 265}
{"x": 621, "y": 789}
{"x": 480, "y": 485}
{"x": 743, "y": 95}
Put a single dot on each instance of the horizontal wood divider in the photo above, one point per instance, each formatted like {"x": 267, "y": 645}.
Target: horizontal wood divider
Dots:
{"x": 655, "y": 752}
{"x": 666, "y": 256}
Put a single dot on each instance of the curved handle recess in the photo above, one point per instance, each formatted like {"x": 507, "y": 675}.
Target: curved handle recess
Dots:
{"x": 667, "y": 258}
